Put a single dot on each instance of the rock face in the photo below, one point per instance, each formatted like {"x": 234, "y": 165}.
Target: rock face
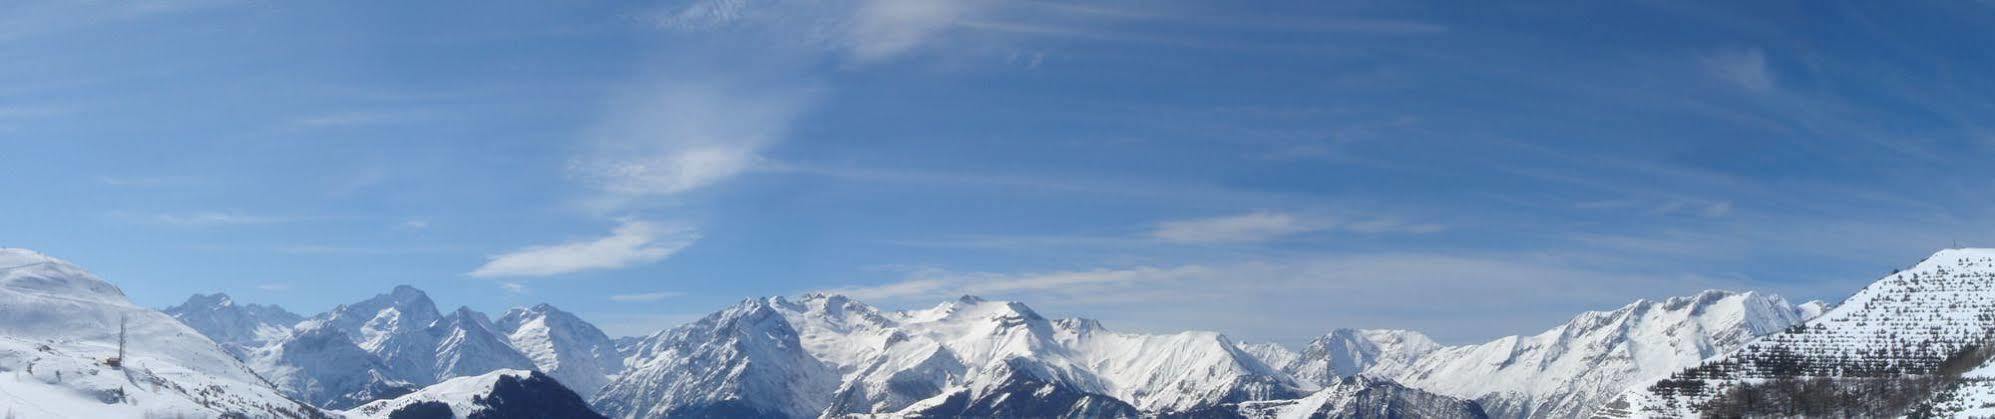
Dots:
{"x": 1566, "y": 371}
{"x": 502, "y": 394}
{"x": 58, "y": 325}
{"x": 562, "y": 345}
{"x": 1906, "y": 325}
{"x": 830, "y": 355}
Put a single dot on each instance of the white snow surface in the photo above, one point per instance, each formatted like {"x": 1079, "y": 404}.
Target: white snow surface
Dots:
{"x": 58, "y": 323}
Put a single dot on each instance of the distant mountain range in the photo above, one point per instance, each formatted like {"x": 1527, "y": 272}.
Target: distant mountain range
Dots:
{"x": 1915, "y": 338}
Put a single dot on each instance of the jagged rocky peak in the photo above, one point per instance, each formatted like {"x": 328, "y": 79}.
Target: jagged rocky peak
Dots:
{"x": 209, "y": 300}
{"x": 1079, "y": 325}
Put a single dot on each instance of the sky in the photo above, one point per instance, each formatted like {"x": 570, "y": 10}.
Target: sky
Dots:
{"x": 1269, "y": 170}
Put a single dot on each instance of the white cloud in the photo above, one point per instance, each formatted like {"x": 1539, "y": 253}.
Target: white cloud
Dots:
{"x": 678, "y": 137}
{"x": 1250, "y": 227}
{"x": 633, "y": 242}
{"x": 274, "y": 287}
{"x": 145, "y": 181}
{"x": 862, "y": 31}
{"x": 206, "y": 218}
{"x": 359, "y": 118}
{"x": 644, "y": 297}
{"x": 513, "y": 287}
{"x": 414, "y": 224}
{"x": 1743, "y": 67}
{"x": 885, "y": 28}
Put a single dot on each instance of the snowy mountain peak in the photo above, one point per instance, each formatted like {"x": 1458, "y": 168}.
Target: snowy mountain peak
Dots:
{"x": 407, "y": 293}
{"x": 1348, "y": 352}
{"x": 238, "y": 327}
{"x": 1079, "y": 325}
{"x": 970, "y": 299}
{"x": 209, "y": 300}
{"x": 562, "y": 345}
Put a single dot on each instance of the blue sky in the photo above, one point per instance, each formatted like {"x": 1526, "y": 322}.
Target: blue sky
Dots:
{"x": 1271, "y": 171}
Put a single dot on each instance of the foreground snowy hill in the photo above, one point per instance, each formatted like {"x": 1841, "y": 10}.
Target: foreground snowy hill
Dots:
{"x": 501, "y": 394}
{"x": 1886, "y": 347}
{"x": 58, "y": 323}
{"x": 1564, "y": 372}
{"x": 827, "y": 354}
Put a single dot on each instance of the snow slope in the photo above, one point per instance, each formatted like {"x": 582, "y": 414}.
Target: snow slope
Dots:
{"x": 58, "y": 323}
{"x": 498, "y": 394}
{"x": 567, "y": 348}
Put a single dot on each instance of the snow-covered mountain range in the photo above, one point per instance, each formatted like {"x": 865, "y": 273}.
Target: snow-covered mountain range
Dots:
{"x": 397, "y": 343}
{"x": 1563, "y": 372}
{"x": 828, "y": 355}
{"x": 1923, "y": 332}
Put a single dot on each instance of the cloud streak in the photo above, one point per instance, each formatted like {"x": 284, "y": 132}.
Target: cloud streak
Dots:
{"x": 1263, "y": 226}
{"x": 632, "y": 243}
{"x": 645, "y": 297}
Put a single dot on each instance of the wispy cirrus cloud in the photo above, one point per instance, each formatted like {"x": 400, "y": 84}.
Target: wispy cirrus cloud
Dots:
{"x": 644, "y": 297}
{"x": 1261, "y": 226}
{"x": 677, "y": 137}
{"x": 206, "y": 218}
{"x": 146, "y": 181}
{"x": 1250, "y": 227}
{"x": 631, "y": 243}
{"x": 1745, "y": 68}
